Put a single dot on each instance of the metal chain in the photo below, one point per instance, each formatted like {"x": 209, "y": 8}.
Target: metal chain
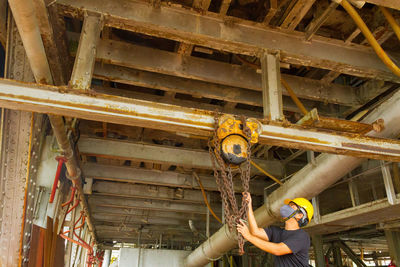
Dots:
{"x": 224, "y": 179}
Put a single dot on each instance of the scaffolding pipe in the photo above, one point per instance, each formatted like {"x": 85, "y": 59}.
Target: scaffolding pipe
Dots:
{"x": 26, "y": 20}
{"x": 308, "y": 182}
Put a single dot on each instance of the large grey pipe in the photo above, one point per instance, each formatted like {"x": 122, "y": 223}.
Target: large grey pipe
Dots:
{"x": 308, "y": 182}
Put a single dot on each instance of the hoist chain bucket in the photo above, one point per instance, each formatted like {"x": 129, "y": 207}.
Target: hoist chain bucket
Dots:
{"x": 234, "y": 141}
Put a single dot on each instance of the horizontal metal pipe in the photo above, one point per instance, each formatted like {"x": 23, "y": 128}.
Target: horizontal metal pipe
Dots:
{"x": 308, "y": 182}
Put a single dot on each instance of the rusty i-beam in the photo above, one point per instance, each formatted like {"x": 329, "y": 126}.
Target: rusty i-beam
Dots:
{"x": 115, "y": 109}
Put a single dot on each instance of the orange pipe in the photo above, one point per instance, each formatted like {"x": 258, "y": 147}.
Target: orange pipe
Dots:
{"x": 370, "y": 37}
{"x": 205, "y": 198}
{"x": 73, "y": 189}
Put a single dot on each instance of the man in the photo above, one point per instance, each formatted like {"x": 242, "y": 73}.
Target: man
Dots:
{"x": 289, "y": 245}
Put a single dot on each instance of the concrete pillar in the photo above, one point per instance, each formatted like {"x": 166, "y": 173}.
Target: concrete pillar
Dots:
{"x": 318, "y": 250}
{"x": 106, "y": 258}
{"x": 393, "y": 240}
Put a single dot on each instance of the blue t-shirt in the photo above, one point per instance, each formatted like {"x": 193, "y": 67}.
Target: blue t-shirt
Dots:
{"x": 297, "y": 240}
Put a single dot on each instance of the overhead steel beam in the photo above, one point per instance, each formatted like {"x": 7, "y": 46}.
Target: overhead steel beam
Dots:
{"x": 166, "y": 99}
{"x": 144, "y": 214}
{"x": 273, "y": 8}
{"x": 115, "y": 226}
{"x": 163, "y": 178}
{"x": 306, "y": 88}
{"x": 243, "y": 37}
{"x": 126, "y": 236}
{"x": 364, "y": 214}
{"x": 127, "y": 220}
{"x": 152, "y": 223}
{"x": 145, "y": 228}
{"x": 113, "y": 109}
{"x": 149, "y": 192}
{"x": 160, "y": 154}
{"x": 151, "y": 241}
{"x": 149, "y": 205}
{"x": 296, "y": 14}
{"x": 129, "y": 230}
{"x": 317, "y": 22}
{"x": 204, "y": 70}
{"x": 224, "y": 7}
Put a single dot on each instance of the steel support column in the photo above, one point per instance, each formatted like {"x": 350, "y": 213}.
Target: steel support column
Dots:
{"x": 271, "y": 86}
{"x": 18, "y": 164}
{"x": 85, "y": 57}
{"x": 393, "y": 240}
{"x": 337, "y": 256}
{"x": 317, "y": 244}
{"x": 387, "y": 180}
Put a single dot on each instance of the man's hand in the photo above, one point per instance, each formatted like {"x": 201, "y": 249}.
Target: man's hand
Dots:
{"x": 244, "y": 230}
{"x": 247, "y": 197}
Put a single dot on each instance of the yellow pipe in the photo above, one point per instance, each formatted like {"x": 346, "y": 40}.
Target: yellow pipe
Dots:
{"x": 205, "y": 197}
{"x": 266, "y": 173}
{"x": 370, "y": 38}
{"x": 391, "y": 20}
{"x": 294, "y": 97}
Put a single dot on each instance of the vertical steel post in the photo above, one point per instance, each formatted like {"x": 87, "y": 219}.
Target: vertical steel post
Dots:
{"x": 393, "y": 240}
{"x": 387, "y": 179}
{"x": 355, "y": 200}
{"x": 106, "y": 259}
{"x": 337, "y": 255}
{"x": 82, "y": 72}
{"x": 317, "y": 243}
{"x": 271, "y": 86}
{"x": 317, "y": 215}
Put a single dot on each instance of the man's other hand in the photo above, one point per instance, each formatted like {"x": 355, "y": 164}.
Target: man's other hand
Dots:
{"x": 247, "y": 197}
{"x": 244, "y": 230}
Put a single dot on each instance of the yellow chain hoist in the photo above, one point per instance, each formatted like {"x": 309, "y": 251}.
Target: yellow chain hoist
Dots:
{"x": 230, "y": 150}
{"x": 234, "y": 141}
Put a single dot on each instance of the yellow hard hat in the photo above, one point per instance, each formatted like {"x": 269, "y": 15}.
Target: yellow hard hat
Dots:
{"x": 303, "y": 203}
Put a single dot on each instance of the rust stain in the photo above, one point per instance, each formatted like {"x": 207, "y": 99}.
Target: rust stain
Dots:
{"x": 293, "y": 137}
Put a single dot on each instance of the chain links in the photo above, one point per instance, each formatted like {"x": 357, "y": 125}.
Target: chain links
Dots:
{"x": 224, "y": 179}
